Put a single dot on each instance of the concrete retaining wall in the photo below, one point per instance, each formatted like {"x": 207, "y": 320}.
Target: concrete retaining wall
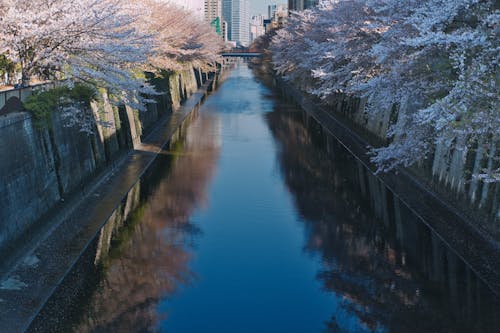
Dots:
{"x": 41, "y": 167}
{"x": 448, "y": 171}
{"x": 28, "y": 179}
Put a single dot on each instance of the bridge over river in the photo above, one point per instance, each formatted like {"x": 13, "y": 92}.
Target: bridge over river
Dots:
{"x": 242, "y": 54}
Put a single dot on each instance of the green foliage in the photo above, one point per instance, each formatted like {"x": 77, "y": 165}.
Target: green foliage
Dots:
{"x": 82, "y": 93}
{"x": 6, "y": 65}
{"x": 121, "y": 237}
{"x": 42, "y": 103}
{"x": 159, "y": 80}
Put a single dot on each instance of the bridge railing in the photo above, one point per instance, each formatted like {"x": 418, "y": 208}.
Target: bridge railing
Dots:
{"x": 242, "y": 54}
{"x": 243, "y": 51}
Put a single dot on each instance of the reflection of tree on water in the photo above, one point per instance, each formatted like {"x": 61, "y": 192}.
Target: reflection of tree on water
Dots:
{"x": 391, "y": 271}
{"x": 148, "y": 258}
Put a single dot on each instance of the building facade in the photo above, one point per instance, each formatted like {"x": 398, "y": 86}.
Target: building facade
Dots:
{"x": 237, "y": 15}
{"x": 256, "y": 27}
{"x": 271, "y": 9}
{"x": 301, "y": 4}
{"x": 213, "y": 15}
{"x": 278, "y": 15}
{"x": 213, "y": 10}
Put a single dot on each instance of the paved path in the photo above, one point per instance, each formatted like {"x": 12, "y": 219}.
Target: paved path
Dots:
{"x": 40, "y": 265}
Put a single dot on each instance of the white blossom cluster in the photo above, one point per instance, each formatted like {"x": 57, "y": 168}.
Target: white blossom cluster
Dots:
{"x": 106, "y": 43}
{"x": 436, "y": 61}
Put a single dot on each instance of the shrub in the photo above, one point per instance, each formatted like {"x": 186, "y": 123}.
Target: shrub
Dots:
{"x": 43, "y": 103}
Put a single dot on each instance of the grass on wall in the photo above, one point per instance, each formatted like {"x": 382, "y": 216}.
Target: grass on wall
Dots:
{"x": 43, "y": 103}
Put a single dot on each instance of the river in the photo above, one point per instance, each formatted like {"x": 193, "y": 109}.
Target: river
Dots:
{"x": 254, "y": 220}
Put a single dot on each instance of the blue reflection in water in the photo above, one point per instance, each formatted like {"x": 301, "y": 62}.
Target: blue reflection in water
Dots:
{"x": 253, "y": 272}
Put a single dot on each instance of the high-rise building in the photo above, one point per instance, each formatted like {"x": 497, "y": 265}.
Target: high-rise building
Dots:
{"x": 213, "y": 15}
{"x": 213, "y": 10}
{"x": 271, "y": 9}
{"x": 237, "y": 15}
{"x": 224, "y": 31}
{"x": 310, "y": 3}
{"x": 278, "y": 15}
{"x": 301, "y": 4}
{"x": 256, "y": 27}
{"x": 296, "y": 4}
{"x": 275, "y": 9}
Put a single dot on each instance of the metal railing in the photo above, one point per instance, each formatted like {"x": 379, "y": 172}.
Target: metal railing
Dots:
{"x": 245, "y": 54}
{"x": 23, "y": 93}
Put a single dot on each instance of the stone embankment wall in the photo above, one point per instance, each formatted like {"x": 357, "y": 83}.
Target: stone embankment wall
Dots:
{"x": 448, "y": 170}
{"x": 40, "y": 167}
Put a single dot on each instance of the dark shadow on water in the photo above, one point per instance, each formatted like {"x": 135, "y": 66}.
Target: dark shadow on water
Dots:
{"x": 391, "y": 270}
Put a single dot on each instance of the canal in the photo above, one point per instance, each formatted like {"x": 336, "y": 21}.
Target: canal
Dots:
{"x": 254, "y": 220}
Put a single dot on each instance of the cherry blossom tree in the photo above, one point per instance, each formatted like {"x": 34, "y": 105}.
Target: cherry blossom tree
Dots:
{"x": 89, "y": 40}
{"x": 435, "y": 60}
{"x": 106, "y": 43}
{"x": 442, "y": 59}
{"x": 181, "y": 38}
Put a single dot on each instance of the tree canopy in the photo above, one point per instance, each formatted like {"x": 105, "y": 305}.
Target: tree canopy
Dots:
{"x": 103, "y": 42}
{"x": 436, "y": 60}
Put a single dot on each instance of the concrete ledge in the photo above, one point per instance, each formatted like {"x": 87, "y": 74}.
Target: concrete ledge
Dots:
{"x": 26, "y": 288}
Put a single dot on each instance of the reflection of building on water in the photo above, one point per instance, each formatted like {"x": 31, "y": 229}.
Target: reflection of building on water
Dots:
{"x": 144, "y": 248}
{"x": 392, "y": 271}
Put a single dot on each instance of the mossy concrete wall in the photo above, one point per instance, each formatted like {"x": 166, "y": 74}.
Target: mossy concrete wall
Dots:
{"x": 40, "y": 167}
{"x": 28, "y": 178}
{"x": 448, "y": 170}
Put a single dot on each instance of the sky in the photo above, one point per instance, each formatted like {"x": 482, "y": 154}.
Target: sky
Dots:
{"x": 260, "y": 6}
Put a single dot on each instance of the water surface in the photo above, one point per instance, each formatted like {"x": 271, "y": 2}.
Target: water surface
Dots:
{"x": 256, "y": 221}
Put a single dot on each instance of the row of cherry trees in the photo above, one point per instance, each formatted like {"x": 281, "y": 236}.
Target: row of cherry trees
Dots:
{"x": 106, "y": 43}
{"x": 436, "y": 60}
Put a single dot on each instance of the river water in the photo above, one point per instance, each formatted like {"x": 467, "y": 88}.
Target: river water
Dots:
{"x": 254, "y": 220}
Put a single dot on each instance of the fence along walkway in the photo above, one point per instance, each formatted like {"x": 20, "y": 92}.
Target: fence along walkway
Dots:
{"x": 23, "y": 93}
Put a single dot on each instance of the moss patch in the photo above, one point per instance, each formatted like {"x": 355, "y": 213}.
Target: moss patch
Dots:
{"x": 43, "y": 103}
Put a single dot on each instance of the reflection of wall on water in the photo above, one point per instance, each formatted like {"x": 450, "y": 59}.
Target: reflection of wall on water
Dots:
{"x": 140, "y": 254}
{"x": 148, "y": 256}
{"x": 391, "y": 269}
{"x": 81, "y": 282}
